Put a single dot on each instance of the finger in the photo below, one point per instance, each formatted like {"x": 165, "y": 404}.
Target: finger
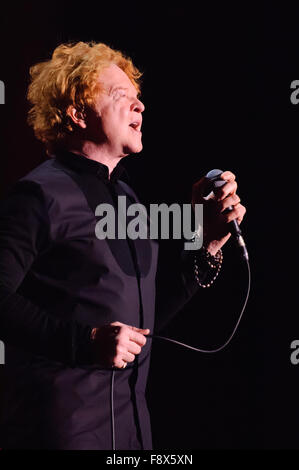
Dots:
{"x": 145, "y": 331}
{"x": 229, "y": 201}
{"x": 238, "y": 212}
{"x": 134, "y": 348}
{"x": 241, "y": 217}
{"x": 229, "y": 188}
{"x": 122, "y": 354}
{"x": 120, "y": 364}
{"x": 128, "y": 357}
{"x": 137, "y": 337}
{"x": 228, "y": 175}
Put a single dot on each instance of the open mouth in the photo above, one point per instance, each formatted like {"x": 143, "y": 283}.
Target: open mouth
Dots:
{"x": 136, "y": 126}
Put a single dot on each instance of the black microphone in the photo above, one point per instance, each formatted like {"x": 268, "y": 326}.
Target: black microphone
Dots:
{"x": 217, "y": 182}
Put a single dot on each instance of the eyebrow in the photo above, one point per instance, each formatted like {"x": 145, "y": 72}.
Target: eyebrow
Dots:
{"x": 118, "y": 87}
{"x": 115, "y": 88}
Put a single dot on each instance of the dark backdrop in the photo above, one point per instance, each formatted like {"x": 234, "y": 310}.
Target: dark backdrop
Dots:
{"x": 216, "y": 88}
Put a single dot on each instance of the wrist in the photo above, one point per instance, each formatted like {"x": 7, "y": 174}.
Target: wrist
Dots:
{"x": 212, "y": 248}
{"x": 212, "y": 264}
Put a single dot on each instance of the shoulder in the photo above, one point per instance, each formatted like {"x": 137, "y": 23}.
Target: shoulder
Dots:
{"x": 42, "y": 189}
{"x": 49, "y": 181}
{"x": 47, "y": 176}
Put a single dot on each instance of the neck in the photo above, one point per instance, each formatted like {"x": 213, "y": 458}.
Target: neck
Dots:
{"x": 90, "y": 150}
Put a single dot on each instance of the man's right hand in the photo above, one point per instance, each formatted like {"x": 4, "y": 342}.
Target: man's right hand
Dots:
{"x": 117, "y": 344}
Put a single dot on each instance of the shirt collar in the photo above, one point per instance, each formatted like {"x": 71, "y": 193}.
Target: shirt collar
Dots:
{"x": 87, "y": 165}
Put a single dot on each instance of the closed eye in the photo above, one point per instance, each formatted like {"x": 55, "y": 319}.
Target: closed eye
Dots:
{"x": 119, "y": 93}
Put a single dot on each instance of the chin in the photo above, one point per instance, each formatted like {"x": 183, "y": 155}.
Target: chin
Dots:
{"x": 133, "y": 149}
{"x": 137, "y": 150}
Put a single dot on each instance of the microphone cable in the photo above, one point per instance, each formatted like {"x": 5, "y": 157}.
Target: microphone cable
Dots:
{"x": 209, "y": 351}
{"x": 205, "y": 351}
{"x": 112, "y": 409}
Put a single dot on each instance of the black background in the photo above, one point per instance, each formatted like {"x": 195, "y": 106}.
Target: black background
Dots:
{"x": 216, "y": 88}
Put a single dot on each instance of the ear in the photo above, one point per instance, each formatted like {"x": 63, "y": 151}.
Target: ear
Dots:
{"x": 76, "y": 116}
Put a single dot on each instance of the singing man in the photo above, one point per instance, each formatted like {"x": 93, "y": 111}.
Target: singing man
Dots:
{"x": 76, "y": 311}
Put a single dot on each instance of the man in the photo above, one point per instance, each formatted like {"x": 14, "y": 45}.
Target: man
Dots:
{"x": 75, "y": 311}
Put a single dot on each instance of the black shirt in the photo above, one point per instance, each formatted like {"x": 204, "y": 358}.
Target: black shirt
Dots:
{"x": 57, "y": 282}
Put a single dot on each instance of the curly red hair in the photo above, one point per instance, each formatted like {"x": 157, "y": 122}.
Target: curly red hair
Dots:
{"x": 70, "y": 78}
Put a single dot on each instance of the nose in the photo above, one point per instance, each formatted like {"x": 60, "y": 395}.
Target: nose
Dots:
{"x": 137, "y": 106}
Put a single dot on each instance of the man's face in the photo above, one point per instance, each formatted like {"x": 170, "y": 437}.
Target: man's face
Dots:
{"x": 119, "y": 114}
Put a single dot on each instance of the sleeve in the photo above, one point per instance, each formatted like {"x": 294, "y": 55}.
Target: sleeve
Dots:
{"x": 24, "y": 234}
{"x": 175, "y": 281}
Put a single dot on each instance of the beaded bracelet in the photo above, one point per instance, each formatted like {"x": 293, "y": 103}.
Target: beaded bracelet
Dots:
{"x": 214, "y": 262}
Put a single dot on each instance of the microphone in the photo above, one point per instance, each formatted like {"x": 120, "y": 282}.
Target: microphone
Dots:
{"x": 217, "y": 182}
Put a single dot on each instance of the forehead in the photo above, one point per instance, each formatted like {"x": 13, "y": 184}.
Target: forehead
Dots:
{"x": 112, "y": 76}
